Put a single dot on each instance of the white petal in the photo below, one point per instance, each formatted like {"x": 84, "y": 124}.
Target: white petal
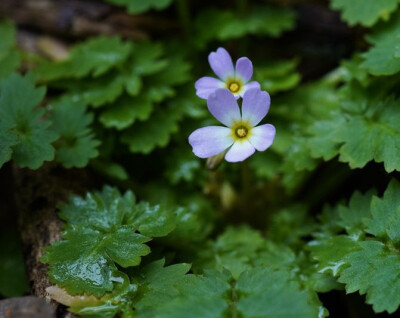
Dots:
{"x": 210, "y": 141}
{"x": 262, "y": 136}
{"x": 221, "y": 63}
{"x": 255, "y": 105}
{"x": 240, "y": 151}
{"x": 223, "y": 106}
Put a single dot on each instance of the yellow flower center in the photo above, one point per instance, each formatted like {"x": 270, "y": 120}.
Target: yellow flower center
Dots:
{"x": 234, "y": 87}
{"x": 241, "y": 132}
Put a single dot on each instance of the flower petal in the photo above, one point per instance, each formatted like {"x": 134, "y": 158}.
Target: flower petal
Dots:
{"x": 248, "y": 86}
{"x": 255, "y": 105}
{"x": 207, "y": 85}
{"x": 244, "y": 68}
{"x": 262, "y": 136}
{"x": 240, "y": 151}
{"x": 221, "y": 63}
{"x": 223, "y": 106}
{"x": 210, "y": 141}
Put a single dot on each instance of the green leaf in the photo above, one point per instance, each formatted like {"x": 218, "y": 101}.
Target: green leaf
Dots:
{"x": 182, "y": 166}
{"x": 143, "y": 137}
{"x": 224, "y": 25}
{"x": 110, "y": 169}
{"x": 7, "y": 141}
{"x": 374, "y": 271}
{"x": 102, "y": 230}
{"x": 352, "y": 216}
{"x": 278, "y": 76}
{"x": 290, "y": 225}
{"x": 265, "y": 164}
{"x": 381, "y": 58}
{"x": 331, "y": 251}
{"x": 77, "y": 144}
{"x": 322, "y": 141}
{"x": 202, "y": 296}
{"x": 84, "y": 261}
{"x": 267, "y": 293}
{"x": 363, "y": 130}
{"x": 371, "y": 133}
{"x": 151, "y": 284}
{"x": 158, "y": 284}
{"x": 366, "y": 263}
{"x": 20, "y": 119}
{"x": 96, "y": 93}
{"x": 126, "y": 111}
{"x": 95, "y": 57}
{"x": 146, "y": 58}
{"x": 384, "y": 221}
{"x": 365, "y": 12}
{"x": 139, "y": 6}
{"x": 234, "y": 250}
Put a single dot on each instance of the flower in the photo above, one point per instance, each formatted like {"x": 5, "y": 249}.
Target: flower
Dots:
{"x": 241, "y": 137}
{"x": 235, "y": 79}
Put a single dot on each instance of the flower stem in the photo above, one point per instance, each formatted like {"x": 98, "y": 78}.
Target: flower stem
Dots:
{"x": 246, "y": 188}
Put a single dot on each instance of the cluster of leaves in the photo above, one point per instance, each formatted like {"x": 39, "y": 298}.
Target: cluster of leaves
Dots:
{"x": 161, "y": 258}
{"x": 126, "y": 82}
{"x": 350, "y": 113}
{"x": 104, "y": 252}
{"x": 29, "y": 138}
{"x": 360, "y": 247}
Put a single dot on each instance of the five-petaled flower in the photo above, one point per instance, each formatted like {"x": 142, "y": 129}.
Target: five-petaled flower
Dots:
{"x": 241, "y": 136}
{"x": 236, "y": 79}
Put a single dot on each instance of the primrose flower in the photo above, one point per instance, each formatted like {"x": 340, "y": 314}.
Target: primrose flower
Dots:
{"x": 236, "y": 79}
{"x": 241, "y": 137}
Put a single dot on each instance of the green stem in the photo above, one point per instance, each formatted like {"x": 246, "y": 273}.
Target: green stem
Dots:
{"x": 246, "y": 188}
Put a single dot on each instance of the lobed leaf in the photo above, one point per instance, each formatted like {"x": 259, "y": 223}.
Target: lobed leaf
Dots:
{"x": 365, "y": 12}
{"x": 101, "y": 230}
{"x": 24, "y": 132}
{"x": 76, "y": 145}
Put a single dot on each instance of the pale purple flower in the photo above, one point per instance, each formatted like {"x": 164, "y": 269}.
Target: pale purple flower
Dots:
{"x": 241, "y": 137}
{"x": 236, "y": 79}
